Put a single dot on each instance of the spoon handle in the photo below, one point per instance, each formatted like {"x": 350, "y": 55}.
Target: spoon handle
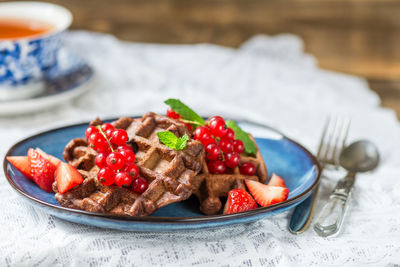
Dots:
{"x": 332, "y": 214}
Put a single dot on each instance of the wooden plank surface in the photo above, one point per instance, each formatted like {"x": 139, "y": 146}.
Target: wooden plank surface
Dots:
{"x": 360, "y": 37}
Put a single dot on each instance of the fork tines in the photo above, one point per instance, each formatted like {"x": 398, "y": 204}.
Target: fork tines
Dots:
{"x": 333, "y": 140}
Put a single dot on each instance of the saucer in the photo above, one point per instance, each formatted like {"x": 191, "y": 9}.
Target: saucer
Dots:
{"x": 70, "y": 78}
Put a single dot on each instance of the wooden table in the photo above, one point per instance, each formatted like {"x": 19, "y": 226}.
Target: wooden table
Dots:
{"x": 360, "y": 37}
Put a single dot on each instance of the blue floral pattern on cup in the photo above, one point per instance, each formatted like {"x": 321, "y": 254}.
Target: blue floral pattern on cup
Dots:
{"x": 26, "y": 60}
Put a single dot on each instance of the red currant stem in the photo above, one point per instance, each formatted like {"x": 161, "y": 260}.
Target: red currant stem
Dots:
{"x": 105, "y": 136}
{"x": 192, "y": 122}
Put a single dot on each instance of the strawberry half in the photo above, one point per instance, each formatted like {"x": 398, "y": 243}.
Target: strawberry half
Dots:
{"x": 239, "y": 200}
{"x": 276, "y": 180}
{"x": 22, "y": 164}
{"x": 67, "y": 177}
{"x": 42, "y": 170}
{"x": 266, "y": 195}
{"x": 55, "y": 161}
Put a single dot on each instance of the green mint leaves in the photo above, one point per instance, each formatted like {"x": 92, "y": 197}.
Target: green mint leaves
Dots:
{"x": 181, "y": 142}
{"x": 183, "y": 110}
{"x": 170, "y": 140}
{"x": 249, "y": 146}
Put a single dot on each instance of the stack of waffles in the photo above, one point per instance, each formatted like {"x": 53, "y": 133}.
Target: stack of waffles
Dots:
{"x": 172, "y": 175}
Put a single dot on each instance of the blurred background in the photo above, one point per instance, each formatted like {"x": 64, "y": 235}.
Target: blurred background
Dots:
{"x": 360, "y": 37}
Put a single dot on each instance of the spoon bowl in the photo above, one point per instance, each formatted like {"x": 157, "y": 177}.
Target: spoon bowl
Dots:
{"x": 360, "y": 156}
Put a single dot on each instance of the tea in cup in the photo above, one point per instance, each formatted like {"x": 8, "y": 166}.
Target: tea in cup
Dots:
{"x": 31, "y": 35}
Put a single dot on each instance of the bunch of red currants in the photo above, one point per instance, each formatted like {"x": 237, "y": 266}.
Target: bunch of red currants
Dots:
{"x": 115, "y": 158}
{"x": 223, "y": 150}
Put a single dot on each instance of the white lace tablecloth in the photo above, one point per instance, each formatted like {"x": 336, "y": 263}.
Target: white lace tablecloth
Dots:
{"x": 269, "y": 79}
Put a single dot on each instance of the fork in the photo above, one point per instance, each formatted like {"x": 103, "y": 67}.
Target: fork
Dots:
{"x": 332, "y": 142}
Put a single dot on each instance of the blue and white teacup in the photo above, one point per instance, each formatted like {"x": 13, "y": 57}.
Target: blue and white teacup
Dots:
{"x": 24, "y": 61}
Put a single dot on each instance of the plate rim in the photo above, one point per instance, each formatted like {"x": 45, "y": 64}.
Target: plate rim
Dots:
{"x": 157, "y": 219}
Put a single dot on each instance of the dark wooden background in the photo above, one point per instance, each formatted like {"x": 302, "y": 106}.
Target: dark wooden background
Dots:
{"x": 360, "y": 37}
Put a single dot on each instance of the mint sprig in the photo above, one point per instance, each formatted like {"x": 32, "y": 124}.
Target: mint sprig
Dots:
{"x": 182, "y": 142}
{"x": 187, "y": 113}
{"x": 170, "y": 140}
{"x": 249, "y": 146}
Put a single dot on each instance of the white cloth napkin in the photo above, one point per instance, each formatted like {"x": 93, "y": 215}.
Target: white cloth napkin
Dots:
{"x": 268, "y": 79}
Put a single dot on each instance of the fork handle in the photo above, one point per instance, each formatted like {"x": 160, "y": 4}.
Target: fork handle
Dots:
{"x": 332, "y": 214}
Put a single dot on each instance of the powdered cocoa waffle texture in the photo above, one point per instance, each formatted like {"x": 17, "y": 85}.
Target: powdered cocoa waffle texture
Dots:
{"x": 209, "y": 188}
{"x": 170, "y": 173}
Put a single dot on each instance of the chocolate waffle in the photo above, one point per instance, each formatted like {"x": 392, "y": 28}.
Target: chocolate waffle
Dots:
{"x": 170, "y": 173}
{"x": 209, "y": 188}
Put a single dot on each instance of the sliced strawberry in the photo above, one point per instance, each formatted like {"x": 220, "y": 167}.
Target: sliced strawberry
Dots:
{"x": 276, "y": 180}
{"x": 55, "y": 161}
{"x": 22, "y": 164}
{"x": 238, "y": 201}
{"x": 67, "y": 177}
{"x": 266, "y": 195}
{"x": 41, "y": 170}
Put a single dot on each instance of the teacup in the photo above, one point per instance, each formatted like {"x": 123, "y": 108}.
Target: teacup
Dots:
{"x": 31, "y": 35}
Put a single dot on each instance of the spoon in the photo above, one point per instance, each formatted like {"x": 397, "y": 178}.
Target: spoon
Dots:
{"x": 360, "y": 156}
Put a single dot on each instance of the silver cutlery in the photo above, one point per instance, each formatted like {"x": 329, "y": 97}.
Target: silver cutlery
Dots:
{"x": 332, "y": 142}
{"x": 361, "y": 156}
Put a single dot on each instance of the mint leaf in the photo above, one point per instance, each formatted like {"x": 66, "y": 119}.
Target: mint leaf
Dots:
{"x": 249, "y": 146}
{"x": 183, "y": 110}
{"x": 182, "y": 142}
{"x": 168, "y": 139}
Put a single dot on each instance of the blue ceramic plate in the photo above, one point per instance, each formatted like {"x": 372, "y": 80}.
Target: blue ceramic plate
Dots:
{"x": 282, "y": 156}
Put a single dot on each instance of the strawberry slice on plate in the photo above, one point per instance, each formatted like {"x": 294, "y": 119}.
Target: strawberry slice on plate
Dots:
{"x": 276, "y": 180}
{"x": 42, "y": 170}
{"x": 239, "y": 200}
{"x": 67, "y": 177}
{"x": 266, "y": 195}
{"x": 22, "y": 164}
{"x": 55, "y": 161}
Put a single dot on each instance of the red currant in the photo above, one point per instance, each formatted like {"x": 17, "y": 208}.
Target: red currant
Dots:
{"x": 124, "y": 147}
{"x": 105, "y": 150}
{"x": 230, "y": 134}
{"x": 119, "y": 137}
{"x": 207, "y": 139}
{"x": 97, "y": 141}
{"x": 203, "y": 135}
{"x": 200, "y": 132}
{"x": 108, "y": 133}
{"x": 213, "y": 151}
{"x": 218, "y": 128}
{"x": 247, "y": 168}
{"x": 226, "y": 145}
{"x": 107, "y": 126}
{"x": 91, "y": 130}
{"x": 172, "y": 114}
{"x": 123, "y": 179}
{"x": 140, "y": 185}
{"x": 238, "y": 146}
{"x": 115, "y": 161}
{"x": 216, "y": 118}
{"x": 106, "y": 176}
{"x": 101, "y": 160}
{"x": 132, "y": 169}
{"x": 232, "y": 159}
{"x": 216, "y": 167}
{"x": 128, "y": 154}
